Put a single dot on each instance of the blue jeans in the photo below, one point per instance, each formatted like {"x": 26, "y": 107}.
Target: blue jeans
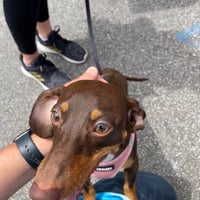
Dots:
{"x": 148, "y": 186}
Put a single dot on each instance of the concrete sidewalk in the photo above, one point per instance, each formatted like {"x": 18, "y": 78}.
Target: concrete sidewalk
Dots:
{"x": 159, "y": 40}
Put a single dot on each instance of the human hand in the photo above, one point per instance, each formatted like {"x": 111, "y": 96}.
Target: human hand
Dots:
{"x": 90, "y": 74}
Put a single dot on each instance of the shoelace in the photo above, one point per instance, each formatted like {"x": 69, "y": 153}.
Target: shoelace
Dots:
{"x": 57, "y": 36}
{"x": 50, "y": 69}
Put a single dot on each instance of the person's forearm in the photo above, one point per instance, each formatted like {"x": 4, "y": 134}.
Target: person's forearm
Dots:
{"x": 15, "y": 172}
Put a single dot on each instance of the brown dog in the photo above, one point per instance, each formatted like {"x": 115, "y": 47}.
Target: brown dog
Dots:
{"x": 89, "y": 120}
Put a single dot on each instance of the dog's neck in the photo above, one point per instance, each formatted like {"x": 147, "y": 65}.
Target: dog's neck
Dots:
{"x": 109, "y": 169}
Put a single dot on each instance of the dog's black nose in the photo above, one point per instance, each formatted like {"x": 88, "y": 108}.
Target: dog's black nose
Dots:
{"x": 37, "y": 194}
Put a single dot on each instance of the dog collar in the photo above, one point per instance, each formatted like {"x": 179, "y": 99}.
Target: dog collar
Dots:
{"x": 109, "y": 169}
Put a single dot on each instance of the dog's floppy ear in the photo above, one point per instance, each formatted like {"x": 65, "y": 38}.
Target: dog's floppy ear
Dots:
{"x": 135, "y": 114}
{"x": 40, "y": 122}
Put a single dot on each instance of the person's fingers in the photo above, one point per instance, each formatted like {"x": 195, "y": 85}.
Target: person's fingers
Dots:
{"x": 99, "y": 78}
{"x": 90, "y": 74}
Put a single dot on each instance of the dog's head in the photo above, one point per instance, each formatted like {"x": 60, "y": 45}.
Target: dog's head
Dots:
{"x": 89, "y": 119}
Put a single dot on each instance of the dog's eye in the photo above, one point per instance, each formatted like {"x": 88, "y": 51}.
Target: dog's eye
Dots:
{"x": 102, "y": 128}
{"x": 55, "y": 116}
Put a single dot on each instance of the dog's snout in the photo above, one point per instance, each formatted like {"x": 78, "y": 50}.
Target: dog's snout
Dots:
{"x": 37, "y": 194}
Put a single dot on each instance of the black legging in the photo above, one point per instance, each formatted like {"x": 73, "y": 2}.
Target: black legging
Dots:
{"x": 21, "y": 17}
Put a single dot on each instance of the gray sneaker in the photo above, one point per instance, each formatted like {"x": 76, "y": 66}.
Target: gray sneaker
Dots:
{"x": 44, "y": 72}
{"x": 69, "y": 50}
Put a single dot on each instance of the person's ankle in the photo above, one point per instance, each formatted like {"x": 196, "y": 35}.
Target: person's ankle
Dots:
{"x": 44, "y": 29}
{"x": 28, "y": 58}
{"x": 42, "y": 37}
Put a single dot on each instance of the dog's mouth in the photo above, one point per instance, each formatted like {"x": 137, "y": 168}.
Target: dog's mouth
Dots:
{"x": 107, "y": 158}
{"x": 111, "y": 164}
{"x": 107, "y": 168}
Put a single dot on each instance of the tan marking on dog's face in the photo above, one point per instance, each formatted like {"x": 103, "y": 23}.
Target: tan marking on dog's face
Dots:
{"x": 124, "y": 134}
{"x": 95, "y": 114}
{"x": 64, "y": 107}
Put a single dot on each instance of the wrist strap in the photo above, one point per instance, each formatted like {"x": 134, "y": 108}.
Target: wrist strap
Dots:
{"x": 28, "y": 149}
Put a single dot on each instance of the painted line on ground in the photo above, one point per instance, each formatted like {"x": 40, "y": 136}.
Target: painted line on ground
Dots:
{"x": 186, "y": 35}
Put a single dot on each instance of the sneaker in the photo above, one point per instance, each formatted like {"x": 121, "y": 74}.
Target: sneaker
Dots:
{"x": 44, "y": 72}
{"x": 69, "y": 50}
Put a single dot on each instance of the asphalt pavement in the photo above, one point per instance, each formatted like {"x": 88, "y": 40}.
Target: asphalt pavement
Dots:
{"x": 158, "y": 40}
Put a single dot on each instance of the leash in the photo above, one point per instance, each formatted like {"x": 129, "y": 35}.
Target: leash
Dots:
{"x": 91, "y": 36}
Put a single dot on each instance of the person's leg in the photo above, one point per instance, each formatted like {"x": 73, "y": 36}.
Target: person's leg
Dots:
{"x": 51, "y": 41}
{"x": 44, "y": 29}
{"x": 152, "y": 187}
{"x": 43, "y": 23}
{"x": 21, "y": 17}
{"x": 148, "y": 186}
